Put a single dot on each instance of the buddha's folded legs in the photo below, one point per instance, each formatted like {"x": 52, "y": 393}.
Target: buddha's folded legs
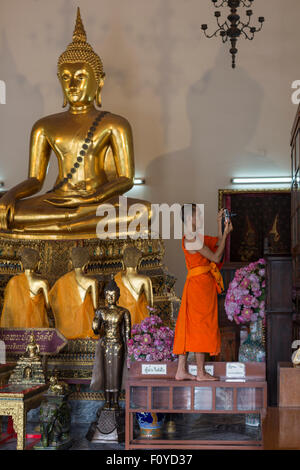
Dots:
{"x": 36, "y": 215}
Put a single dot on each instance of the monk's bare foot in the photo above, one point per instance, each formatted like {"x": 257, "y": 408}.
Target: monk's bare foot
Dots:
{"x": 184, "y": 376}
{"x": 206, "y": 376}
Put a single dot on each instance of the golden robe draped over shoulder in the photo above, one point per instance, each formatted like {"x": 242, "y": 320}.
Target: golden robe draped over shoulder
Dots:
{"x": 138, "y": 309}
{"x": 20, "y": 310}
{"x": 73, "y": 318}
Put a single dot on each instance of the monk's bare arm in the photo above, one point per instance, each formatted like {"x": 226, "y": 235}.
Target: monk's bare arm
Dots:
{"x": 207, "y": 252}
{"x": 219, "y": 220}
{"x": 216, "y": 256}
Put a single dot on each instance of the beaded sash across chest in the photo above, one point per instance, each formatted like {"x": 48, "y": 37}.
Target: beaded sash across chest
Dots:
{"x": 83, "y": 151}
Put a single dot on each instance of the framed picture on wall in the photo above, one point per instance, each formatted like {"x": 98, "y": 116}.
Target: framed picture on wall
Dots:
{"x": 262, "y": 224}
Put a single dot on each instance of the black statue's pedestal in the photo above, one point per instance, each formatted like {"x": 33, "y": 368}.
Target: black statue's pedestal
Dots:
{"x": 110, "y": 427}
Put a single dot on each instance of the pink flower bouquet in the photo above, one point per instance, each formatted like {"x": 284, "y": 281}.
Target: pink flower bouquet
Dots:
{"x": 245, "y": 297}
{"x": 151, "y": 341}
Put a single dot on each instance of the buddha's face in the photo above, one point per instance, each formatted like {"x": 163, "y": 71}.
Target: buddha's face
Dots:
{"x": 111, "y": 297}
{"x": 131, "y": 261}
{"x": 78, "y": 82}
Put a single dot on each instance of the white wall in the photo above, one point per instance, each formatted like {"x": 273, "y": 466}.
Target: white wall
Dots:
{"x": 196, "y": 121}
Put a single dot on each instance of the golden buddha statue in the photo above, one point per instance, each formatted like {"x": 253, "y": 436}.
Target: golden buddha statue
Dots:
{"x": 136, "y": 292}
{"x": 29, "y": 369}
{"x": 94, "y": 150}
{"x": 74, "y": 298}
{"x": 110, "y": 357}
{"x": 32, "y": 351}
{"x": 56, "y": 386}
{"x": 26, "y": 299}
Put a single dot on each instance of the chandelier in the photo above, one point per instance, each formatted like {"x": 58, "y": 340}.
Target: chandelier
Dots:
{"x": 233, "y": 28}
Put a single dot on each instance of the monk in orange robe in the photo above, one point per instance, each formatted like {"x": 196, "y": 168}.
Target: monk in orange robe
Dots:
{"x": 197, "y": 323}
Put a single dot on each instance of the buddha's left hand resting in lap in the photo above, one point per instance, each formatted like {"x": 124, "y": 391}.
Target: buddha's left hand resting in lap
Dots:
{"x": 94, "y": 150}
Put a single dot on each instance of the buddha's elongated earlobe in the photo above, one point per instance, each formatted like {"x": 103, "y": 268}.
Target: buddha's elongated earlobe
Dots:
{"x": 65, "y": 102}
{"x": 98, "y": 97}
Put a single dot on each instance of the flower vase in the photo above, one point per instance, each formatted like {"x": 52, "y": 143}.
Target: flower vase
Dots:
{"x": 150, "y": 424}
{"x": 252, "y": 350}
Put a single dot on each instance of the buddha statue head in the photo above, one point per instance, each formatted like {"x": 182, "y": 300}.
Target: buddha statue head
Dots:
{"x": 80, "y": 71}
{"x": 80, "y": 257}
{"x": 27, "y": 373}
{"x": 29, "y": 258}
{"x": 111, "y": 292}
{"x": 131, "y": 257}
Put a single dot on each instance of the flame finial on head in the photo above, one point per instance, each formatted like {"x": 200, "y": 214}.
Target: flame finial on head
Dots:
{"x": 79, "y": 33}
{"x": 79, "y": 50}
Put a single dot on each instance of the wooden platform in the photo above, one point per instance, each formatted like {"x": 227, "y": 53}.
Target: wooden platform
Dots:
{"x": 223, "y": 396}
{"x": 288, "y": 385}
{"x": 281, "y": 429}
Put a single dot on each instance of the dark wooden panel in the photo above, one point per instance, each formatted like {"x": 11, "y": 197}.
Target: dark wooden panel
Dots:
{"x": 279, "y": 283}
{"x": 279, "y": 319}
{"x": 279, "y": 342}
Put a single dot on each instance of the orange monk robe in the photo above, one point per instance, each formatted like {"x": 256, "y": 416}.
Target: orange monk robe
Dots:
{"x": 138, "y": 309}
{"x": 197, "y": 327}
{"x": 20, "y": 310}
{"x": 73, "y": 318}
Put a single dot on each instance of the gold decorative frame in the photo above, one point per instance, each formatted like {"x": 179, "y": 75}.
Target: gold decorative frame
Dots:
{"x": 222, "y": 192}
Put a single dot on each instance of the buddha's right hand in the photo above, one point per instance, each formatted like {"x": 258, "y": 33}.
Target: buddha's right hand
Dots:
{"x": 7, "y": 211}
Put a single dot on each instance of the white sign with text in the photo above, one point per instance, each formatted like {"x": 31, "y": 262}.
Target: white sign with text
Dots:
{"x": 154, "y": 369}
{"x": 2, "y": 352}
{"x": 208, "y": 368}
{"x": 235, "y": 370}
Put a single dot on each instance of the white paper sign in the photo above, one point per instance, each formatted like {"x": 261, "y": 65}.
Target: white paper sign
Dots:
{"x": 154, "y": 369}
{"x": 235, "y": 370}
{"x": 2, "y": 353}
{"x": 193, "y": 369}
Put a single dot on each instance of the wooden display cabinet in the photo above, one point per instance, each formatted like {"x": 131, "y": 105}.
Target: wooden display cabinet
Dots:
{"x": 167, "y": 395}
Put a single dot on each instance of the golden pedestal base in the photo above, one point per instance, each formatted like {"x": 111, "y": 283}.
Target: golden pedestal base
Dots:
{"x": 75, "y": 361}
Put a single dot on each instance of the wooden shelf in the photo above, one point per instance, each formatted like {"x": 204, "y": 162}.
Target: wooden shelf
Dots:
{"x": 167, "y": 395}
